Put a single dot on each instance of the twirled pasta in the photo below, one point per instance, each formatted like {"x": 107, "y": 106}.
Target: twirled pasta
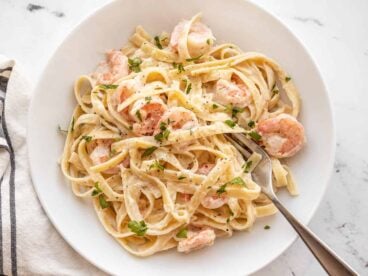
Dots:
{"x": 145, "y": 141}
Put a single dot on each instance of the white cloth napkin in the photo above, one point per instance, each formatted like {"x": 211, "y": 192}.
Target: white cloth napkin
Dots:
{"x": 29, "y": 244}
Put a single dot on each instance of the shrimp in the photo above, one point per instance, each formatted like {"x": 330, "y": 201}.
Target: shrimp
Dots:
{"x": 197, "y": 240}
{"x": 282, "y": 136}
{"x": 234, "y": 93}
{"x": 178, "y": 118}
{"x": 211, "y": 201}
{"x": 147, "y": 115}
{"x": 99, "y": 152}
{"x": 114, "y": 68}
{"x": 199, "y": 38}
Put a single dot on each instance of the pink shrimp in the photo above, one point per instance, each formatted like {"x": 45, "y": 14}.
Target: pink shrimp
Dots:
{"x": 178, "y": 118}
{"x": 147, "y": 115}
{"x": 232, "y": 92}
{"x": 211, "y": 201}
{"x": 100, "y": 151}
{"x": 282, "y": 136}
{"x": 197, "y": 240}
{"x": 114, "y": 68}
{"x": 199, "y": 38}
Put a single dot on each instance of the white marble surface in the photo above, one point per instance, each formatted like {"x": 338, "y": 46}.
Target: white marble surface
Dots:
{"x": 336, "y": 34}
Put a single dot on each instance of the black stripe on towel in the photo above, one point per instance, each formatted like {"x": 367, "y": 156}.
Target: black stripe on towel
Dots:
{"x": 13, "y": 221}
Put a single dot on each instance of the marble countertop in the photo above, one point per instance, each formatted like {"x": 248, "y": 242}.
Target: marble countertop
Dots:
{"x": 335, "y": 33}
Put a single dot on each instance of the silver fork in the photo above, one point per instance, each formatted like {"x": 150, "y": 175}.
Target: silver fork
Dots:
{"x": 262, "y": 174}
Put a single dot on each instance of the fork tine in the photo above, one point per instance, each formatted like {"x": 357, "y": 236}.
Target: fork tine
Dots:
{"x": 242, "y": 150}
{"x": 252, "y": 146}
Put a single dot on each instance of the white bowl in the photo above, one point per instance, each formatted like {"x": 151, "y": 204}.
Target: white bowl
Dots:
{"x": 237, "y": 21}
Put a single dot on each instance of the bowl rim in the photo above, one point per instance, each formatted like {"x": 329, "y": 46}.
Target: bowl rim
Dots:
{"x": 99, "y": 9}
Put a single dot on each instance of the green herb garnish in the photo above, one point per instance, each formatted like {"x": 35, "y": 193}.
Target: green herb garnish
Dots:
{"x": 246, "y": 166}
{"x": 64, "y": 131}
{"x": 222, "y": 189}
{"x": 164, "y": 135}
{"x": 139, "y": 116}
{"x": 108, "y": 86}
{"x": 158, "y": 42}
{"x": 97, "y": 190}
{"x": 149, "y": 151}
{"x": 251, "y": 123}
{"x": 87, "y": 138}
{"x": 138, "y": 227}
{"x": 103, "y": 203}
{"x": 267, "y": 227}
{"x": 230, "y": 123}
{"x": 287, "y": 79}
{"x": 134, "y": 64}
{"x": 255, "y": 136}
{"x": 181, "y": 177}
{"x": 235, "y": 110}
{"x": 156, "y": 165}
{"x": 72, "y": 125}
{"x": 275, "y": 92}
{"x": 214, "y": 106}
{"x": 227, "y": 220}
{"x": 182, "y": 234}
{"x": 208, "y": 41}
{"x": 237, "y": 181}
{"x": 189, "y": 87}
{"x": 179, "y": 66}
{"x": 194, "y": 59}
{"x": 148, "y": 99}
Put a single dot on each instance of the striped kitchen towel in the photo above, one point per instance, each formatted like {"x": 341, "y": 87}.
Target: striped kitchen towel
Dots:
{"x": 29, "y": 244}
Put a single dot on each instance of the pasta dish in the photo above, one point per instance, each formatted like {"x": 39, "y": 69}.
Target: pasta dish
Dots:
{"x": 145, "y": 143}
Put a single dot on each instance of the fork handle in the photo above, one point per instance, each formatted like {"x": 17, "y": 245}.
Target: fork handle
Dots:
{"x": 326, "y": 257}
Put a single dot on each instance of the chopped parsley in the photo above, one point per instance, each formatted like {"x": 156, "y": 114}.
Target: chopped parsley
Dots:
{"x": 149, "y": 151}
{"x": 235, "y": 110}
{"x": 194, "y": 59}
{"x": 255, "y": 136}
{"x": 164, "y": 135}
{"x": 64, "y": 131}
{"x": 134, "y": 64}
{"x": 222, "y": 189}
{"x": 179, "y": 66}
{"x": 214, "y": 106}
{"x": 103, "y": 203}
{"x": 287, "y": 79}
{"x": 246, "y": 166}
{"x": 87, "y": 138}
{"x": 181, "y": 177}
{"x": 182, "y": 234}
{"x": 189, "y": 87}
{"x": 163, "y": 126}
{"x": 97, "y": 190}
{"x": 251, "y": 123}
{"x": 72, "y": 125}
{"x": 227, "y": 220}
{"x": 158, "y": 42}
{"x": 156, "y": 165}
{"x": 148, "y": 99}
{"x": 108, "y": 86}
{"x": 230, "y": 123}
{"x": 208, "y": 41}
{"x": 138, "y": 227}
{"x": 139, "y": 116}
{"x": 267, "y": 227}
{"x": 237, "y": 181}
{"x": 275, "y": 92}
